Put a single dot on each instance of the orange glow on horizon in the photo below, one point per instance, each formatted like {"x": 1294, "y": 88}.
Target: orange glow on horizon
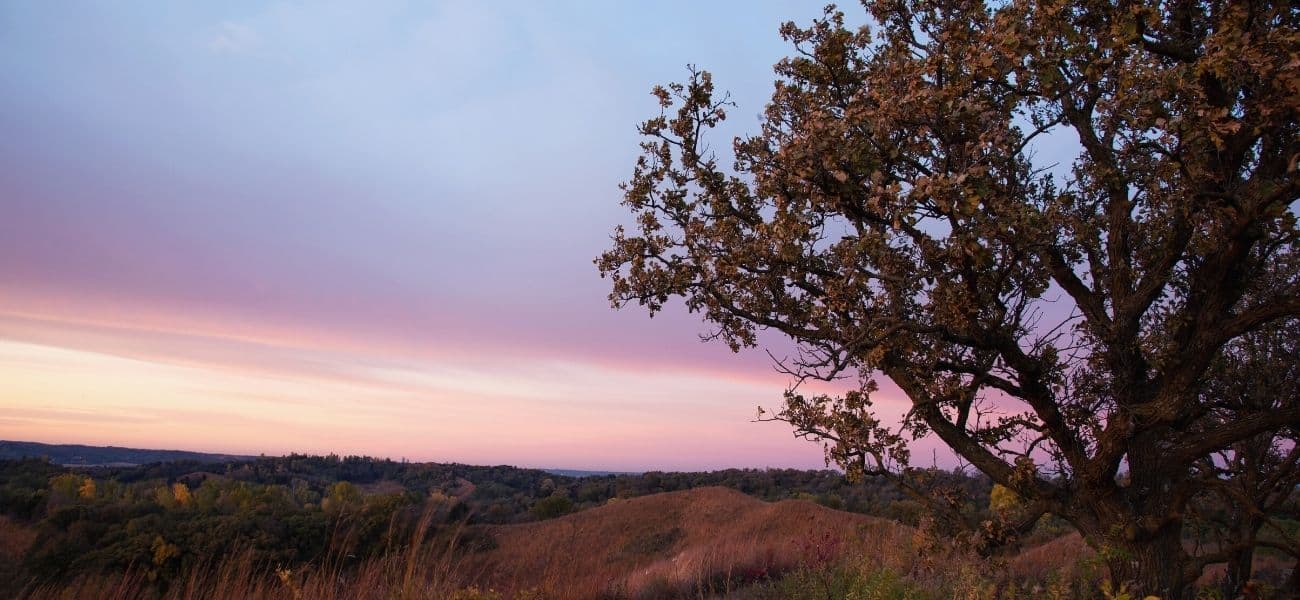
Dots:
{"x": 543, "y": 411}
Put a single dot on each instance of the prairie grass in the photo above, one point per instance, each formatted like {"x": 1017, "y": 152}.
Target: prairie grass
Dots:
{"x": 702, "y": 543}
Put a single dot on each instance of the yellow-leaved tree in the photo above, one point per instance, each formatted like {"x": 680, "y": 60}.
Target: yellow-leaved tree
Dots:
{"x": 181, "y": 494}
{"x": 87, "y": 489}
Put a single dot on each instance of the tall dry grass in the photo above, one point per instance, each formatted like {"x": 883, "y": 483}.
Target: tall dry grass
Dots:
{"x": 416, "y": 566}
{"x": 15, "y": 538}
{"x": 697, "y": 543}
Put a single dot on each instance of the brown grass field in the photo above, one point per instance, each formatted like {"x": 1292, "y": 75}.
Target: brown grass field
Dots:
{"x": 702, "y": 543}
{"x": 674, "y": 542}
{"x": 14, "y": 539}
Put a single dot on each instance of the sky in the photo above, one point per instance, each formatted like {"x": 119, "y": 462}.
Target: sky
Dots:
{"x": 361, "y": 228}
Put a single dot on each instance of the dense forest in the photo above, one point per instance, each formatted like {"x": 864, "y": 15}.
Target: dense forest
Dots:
{"x": 168, "y": 517}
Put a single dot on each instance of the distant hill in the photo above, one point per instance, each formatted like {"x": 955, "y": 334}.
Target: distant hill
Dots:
{"x": 581, "y": 473}
{"x": 77, "y": 455}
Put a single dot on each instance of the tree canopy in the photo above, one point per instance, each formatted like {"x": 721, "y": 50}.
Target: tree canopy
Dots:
{"x": 1069, "y": 330}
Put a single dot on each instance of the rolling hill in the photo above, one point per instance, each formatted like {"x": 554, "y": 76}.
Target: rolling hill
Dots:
{"x": 673, "y": 541}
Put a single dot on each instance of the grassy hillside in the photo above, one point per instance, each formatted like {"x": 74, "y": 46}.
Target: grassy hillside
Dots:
{"x": 669, "y": 541}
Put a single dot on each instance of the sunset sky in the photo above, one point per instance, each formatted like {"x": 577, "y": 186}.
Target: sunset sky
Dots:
{"x": 363, "y": 228}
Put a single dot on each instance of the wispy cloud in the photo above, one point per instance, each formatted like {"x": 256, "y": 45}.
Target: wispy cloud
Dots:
{"x": 233, "y": 38}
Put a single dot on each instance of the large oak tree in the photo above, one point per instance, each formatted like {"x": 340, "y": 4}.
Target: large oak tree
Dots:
{"x": 1069, "y": 330}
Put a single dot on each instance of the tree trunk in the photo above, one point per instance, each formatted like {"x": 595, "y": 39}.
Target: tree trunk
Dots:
{"x": 1292, "y": 585}
{"x": 1151, "y": 565}
{"x": 1238, "y": 573}
{"x": 1239, "y": 567}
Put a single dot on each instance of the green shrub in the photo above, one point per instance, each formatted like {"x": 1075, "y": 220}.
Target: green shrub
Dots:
{"x": 551, "y": 506}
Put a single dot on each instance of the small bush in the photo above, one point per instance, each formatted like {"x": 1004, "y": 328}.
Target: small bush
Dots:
{"x": 555, "y": 505}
